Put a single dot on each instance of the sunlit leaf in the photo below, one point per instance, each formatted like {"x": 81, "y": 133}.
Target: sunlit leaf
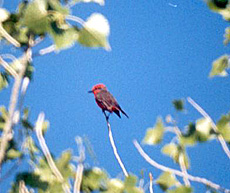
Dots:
{"x": 35, "y": 16}
{"x": 223, "y": 126}
{"x": 181, "y": 189}
{"x": 4, "y": 15}
{"x": 130, "y": 185}
{"x": 64, "y": 38}
{"x": 93, "y": 179}
{"x": 3, "y": 81}
{"x": 220, "y": 6}
{"x": 95, "y": 32}
{"x": 57, "y": 6}
{"x": 203, "y": 128}
{"x": 13, "y": 154}
{"x": 154, "y": 135}
{"x": 115, "y": 186}
{"x": 227, "y": 36}
{"x": 174, "y": 151}
{"x": 166, "y": 180}
{"x": 178, "y": 104}
{"x": 219, "y": 66}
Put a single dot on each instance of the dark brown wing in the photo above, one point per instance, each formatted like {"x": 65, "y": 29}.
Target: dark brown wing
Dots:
{"x": 106, "y": 100}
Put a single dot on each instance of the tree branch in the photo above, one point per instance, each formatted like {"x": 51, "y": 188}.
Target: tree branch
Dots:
{"x": 7, "y": 131}
{"x": 80, "y": 166}
{"x": 114, "y": 148}
{"x": 8, "y": 37}
{"x": 204, "y": 114}
{"x": 8, "y": 68}
{"x": 177, "y": 172}
{"x": 150, "y": 183}
{"x": 46, "y": 152}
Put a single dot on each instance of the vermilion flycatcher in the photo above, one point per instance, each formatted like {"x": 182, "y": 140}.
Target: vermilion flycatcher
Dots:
{"x": 106, "y": 101}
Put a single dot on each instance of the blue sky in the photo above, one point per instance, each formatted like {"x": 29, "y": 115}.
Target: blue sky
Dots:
{"x": 161, "y": 51}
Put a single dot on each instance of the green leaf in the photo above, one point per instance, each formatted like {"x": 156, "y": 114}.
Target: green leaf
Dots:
{"x": 166, "y": 180}
{"x": 64, "y": 38}
{"x": 220, "y": 6}
{"x": 130, "y": 185}
{"x": 174, "y": 151}
{"x": 32, "y": 180}
{"x": 178, "y": 104}
{"x": 227, "y": 36}
{"x": 57, "y": 6}
{"x": 115, "y": 186}
{"x": 35, "y": 16}
{"x": 31, "y": 146}
{"x": 63, "y": 164}
{"x": 154, "y": 135}
{"x": 13, "y": 154}
{"x": 203, "y": 129}
{"x": 219, "y": 66}
{"x": 95, "y": 32}
{"x": 93, "y": 179}
{"x": 189, "y": 138}
{"x": 3, "y": 81}
{"x": 223, "y": 126}
{"x": 181, "y": 189}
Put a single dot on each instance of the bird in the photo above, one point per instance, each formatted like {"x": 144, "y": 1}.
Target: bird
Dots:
{"x": 106, "y": 101}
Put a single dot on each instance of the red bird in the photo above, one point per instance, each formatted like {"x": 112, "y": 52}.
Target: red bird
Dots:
{"x": 106, "y": 101}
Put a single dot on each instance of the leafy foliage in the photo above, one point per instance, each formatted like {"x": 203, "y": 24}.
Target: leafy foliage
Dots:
{"x": 220, "y": 66}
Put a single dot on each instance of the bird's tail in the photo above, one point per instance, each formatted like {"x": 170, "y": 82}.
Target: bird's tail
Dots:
{"x": 124, "y": 113}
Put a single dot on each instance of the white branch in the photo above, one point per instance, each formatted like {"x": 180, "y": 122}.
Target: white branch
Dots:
{"x": 7, "y": 131}
{"x": 54, "y": 169}
{"x": 177, "y": 172}
{"x": 150, "y": 182}
{"x": 204, "y": 114}
{"x": 8, "y": 37}
{"x": 115, "y": 149}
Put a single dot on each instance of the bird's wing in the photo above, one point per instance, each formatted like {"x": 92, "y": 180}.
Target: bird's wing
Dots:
{"x": 106, "y": 100}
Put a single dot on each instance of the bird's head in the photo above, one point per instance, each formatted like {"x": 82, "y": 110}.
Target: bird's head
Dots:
{"x": 97, "y": 88}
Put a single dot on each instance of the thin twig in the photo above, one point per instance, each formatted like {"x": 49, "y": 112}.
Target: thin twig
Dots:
{"x": 46, "y": 152}
{"x": 80, "y": 166}
{"x": 177, "y": 172}
{"x": 181, "y": 158}
{"x": 115, "y": 149}
{"x": 8, "y": 37}
{"x": 47, "y": 50}
{"x": 183, "y": 169}
{"x": 22, "y": 187}
{"x": 8, "y": 68}
{"x": 204, "y": 114}
{"x": 7, "y": 131}
{"x": 150, "y": 182}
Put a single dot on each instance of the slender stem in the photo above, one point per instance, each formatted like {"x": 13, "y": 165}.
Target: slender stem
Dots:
{"x": 80, "y": 166}
{"x": 8, "y": 37}
{"x": 204, "y": 114}
{"x": 53, "y": 167}
{"x": 150, "y": 182}
{"x": 8, "y": 68}
{"x": 177, "y": 172}
{"x": 114, "y": 147}
{"x": 7, "y": 131}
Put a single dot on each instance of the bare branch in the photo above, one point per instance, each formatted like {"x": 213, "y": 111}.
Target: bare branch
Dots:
{"x": 23, "y": 188}
{"x": 47, "y": 50}
{"x": 46, "y": 152}
{"x": 177, "y": 172}
{"x": 183, "y": 169}
{"x": 80, "y": 166}
{"x": 8, "y": 37}
{"x": 8, "y": 68}
{"x": 7, "y": 131}
{"x": 114, "y": 148}
{"x": 204, "y": 114}
{"x": 150, "y": 182}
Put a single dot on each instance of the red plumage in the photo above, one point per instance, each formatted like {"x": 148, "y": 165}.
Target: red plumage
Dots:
{"x": 105, "y": 100}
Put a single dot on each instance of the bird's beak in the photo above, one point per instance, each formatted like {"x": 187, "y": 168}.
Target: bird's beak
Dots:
{"x": 90, "y": 91}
